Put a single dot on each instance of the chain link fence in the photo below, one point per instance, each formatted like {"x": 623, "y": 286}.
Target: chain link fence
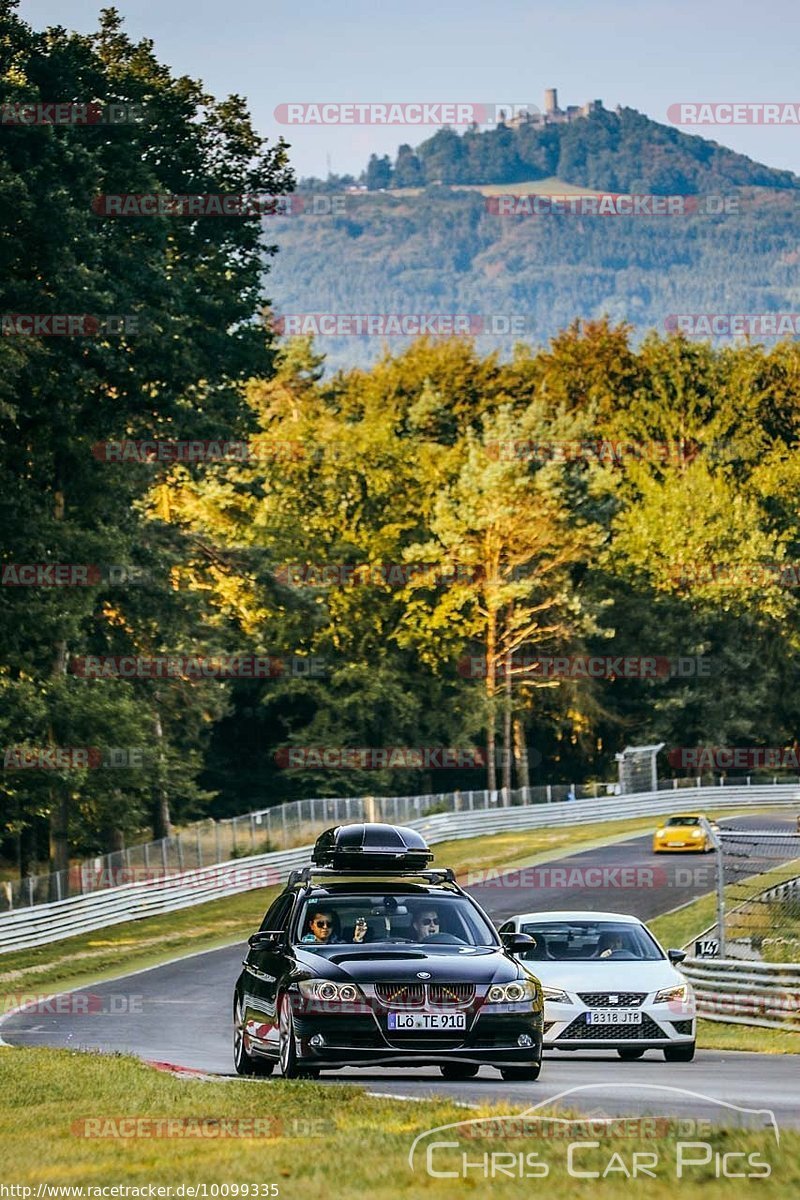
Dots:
{"x": 297, "y": 823}
{"x": 281, "y": 827}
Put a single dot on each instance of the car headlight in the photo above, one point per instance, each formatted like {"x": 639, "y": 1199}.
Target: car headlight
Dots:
{"x": 556, "y": 995}
{"x": 680, "y": 992}
{"x": 511, "y": 993}
{"x": 660, "y": 832}
{"x": 697, "y": 833}
{"x": 326, "y": 989}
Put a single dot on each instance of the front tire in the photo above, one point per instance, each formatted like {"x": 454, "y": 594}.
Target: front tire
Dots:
{"x": 245, "y": 1063}
{"x": 291, "y": 1067}
{"x": 453, "y": 1071}
{"x": 521, "y": 1074}
{"x": 679, "y": 1053}
{"x": 629, "y": 1054}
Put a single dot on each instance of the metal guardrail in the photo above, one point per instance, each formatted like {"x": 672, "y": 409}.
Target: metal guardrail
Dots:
{"x": 281, "y": 827}
{"x": 746, "y": 993}
{"x": 285, "y": 826}
{"x": 83, "y": 914}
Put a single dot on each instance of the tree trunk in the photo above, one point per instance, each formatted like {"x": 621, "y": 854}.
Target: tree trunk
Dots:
{"x": 59, "y": 792}
{"x": 162, "y": 821}
{"x": 491, "y": 715}
{"x": 521, "y": 754}
{"x": 507, "y": 716}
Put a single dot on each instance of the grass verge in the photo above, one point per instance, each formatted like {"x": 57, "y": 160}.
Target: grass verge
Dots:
{"x": 321, "y": 1141}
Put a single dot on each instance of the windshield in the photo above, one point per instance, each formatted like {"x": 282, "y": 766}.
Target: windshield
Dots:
{"x": 581, "y": 941}
{"x": 385, "y": 917}
{"x": 683, "y": 821}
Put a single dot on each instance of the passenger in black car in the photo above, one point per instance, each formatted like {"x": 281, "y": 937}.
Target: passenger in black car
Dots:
{"x": 323, "y": 928}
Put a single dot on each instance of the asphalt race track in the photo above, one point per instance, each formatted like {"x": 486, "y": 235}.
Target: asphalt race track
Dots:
{"x": 180, "y": 1013}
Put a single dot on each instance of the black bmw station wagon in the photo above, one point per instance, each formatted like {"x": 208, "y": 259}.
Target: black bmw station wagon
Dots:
{"x": 369, "y": 957}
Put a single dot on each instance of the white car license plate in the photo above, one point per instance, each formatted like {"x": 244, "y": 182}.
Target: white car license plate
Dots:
{"x": 418, "y": 1020}
{"x": 614, "y": 1016}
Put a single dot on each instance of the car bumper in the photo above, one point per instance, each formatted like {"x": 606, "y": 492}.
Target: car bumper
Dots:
{"x": 566, "y": 1028}
{"x": 698, "y": 847}
{"x": 362, "y": 1039}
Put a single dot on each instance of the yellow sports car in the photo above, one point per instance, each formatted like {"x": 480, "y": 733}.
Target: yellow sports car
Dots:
{"x": 684, "y": 832}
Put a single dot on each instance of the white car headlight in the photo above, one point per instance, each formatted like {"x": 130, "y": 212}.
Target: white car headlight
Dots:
{"x": 556, "y": 995}
{"x": 679, "y": 992}
{"x": 660, "y": 832}
{"x": 697, "y": 833}
{"x": 511, "y": 993}
{"x": 326, "y": 989}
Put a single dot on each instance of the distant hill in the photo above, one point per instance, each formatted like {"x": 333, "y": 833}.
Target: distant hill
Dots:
{"x": 424, "y": 247}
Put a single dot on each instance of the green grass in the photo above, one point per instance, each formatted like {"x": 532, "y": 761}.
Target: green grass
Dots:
{"x": 359, "y": 1145}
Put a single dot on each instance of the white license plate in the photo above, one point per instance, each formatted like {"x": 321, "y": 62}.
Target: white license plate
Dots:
{"x": 418, "y": 1020}
{"x": 614, "y": 1016}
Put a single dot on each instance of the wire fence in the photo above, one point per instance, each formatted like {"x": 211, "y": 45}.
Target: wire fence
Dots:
{"x": 759, "y": 895}
{"x": 285, "y": 826}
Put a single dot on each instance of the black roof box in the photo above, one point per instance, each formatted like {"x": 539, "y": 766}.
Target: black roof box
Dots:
{"x": 372, "y": 847}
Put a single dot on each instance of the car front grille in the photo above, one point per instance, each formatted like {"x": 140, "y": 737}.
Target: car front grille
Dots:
{"x": 620, "y": 999}
{"x": 581, "y": 1030}
{"x": 401, "y": 995}
{"x": 416, "y": 995}
{"x": 451, "y": 995}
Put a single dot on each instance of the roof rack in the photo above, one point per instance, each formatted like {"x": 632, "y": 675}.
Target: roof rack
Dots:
{"x": 432, "y": 874}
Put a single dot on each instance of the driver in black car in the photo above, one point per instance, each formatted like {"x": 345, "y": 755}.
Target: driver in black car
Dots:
{"x": 426, "y": 923}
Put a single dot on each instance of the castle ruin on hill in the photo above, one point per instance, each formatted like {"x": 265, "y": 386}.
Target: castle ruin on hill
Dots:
{"x": 552, "y": 114}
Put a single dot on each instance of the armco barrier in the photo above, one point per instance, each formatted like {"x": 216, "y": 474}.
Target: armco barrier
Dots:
{"x": 746, "y": 993}
{"x": 82, "y": 914}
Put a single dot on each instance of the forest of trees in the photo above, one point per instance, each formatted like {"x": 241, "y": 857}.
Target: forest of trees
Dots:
{"x": 614, "y": 151}
{"x": 428, "y": 461}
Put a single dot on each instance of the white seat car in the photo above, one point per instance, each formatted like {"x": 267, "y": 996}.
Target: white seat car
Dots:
{"x": 608, "y": 984}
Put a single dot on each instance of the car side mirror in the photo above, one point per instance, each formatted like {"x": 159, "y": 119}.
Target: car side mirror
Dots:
{"x": 676, "y": 956}
{"x": 517, "y": 941}
{"x": 265, "y": 939}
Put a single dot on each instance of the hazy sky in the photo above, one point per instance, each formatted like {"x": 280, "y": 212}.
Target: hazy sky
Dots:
{"x": 635, "y": 52}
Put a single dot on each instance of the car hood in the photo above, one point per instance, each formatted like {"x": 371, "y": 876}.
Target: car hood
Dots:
{"x": 466, "y": 964}
{"x": 607, "y": 976}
